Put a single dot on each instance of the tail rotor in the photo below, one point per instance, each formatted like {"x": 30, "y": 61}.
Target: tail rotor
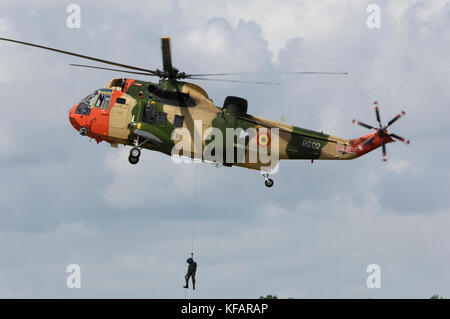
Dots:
{"x": 381, "y": 131}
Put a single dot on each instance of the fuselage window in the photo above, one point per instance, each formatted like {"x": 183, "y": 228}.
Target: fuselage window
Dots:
{"x": 162, "y": 118}
{"x": 151, "y": 116}
{"x": 178, "y": 121}
{"x": 120, "y": 100}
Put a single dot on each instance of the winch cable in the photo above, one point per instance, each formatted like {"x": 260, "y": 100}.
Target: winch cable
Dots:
{"x": 194, "y": 208}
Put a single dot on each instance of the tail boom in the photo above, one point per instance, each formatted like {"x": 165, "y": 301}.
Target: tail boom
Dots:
{"x": 370, "y": 142}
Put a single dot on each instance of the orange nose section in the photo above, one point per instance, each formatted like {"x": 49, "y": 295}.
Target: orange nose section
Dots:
{"x": 90, "y": 122}
{"x": 73, "y": 118}
{"x": 78, "y": 121}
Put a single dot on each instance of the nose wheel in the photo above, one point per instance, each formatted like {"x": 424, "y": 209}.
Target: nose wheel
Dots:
{"x": 134, "y": 155}
{"x": 268, "y": 181}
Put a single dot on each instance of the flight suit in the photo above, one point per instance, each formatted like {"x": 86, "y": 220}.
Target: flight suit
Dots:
{"x": 192, "y": 268}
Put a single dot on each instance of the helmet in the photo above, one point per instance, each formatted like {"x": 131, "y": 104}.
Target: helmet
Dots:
{"x": 189, "y": 260}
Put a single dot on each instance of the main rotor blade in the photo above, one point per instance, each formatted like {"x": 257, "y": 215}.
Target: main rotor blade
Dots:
{"x": 79, "y": 55}
{"x": 395, "y": 119}
{"x": 167, "y": 58}
{"x": 257, "y": 73}
{"x": 404, "y": 140}
{"x": 236, "y": 81}
{"x": 383, "y": 148}
{"x": 109, "y": 69}
{"x": 364, "y": 125}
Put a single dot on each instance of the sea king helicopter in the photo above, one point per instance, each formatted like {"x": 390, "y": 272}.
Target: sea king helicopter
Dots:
{"x": 145, "y": 115}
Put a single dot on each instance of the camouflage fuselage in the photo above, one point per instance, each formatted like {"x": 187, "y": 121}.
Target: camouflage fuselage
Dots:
{"x": 133, "y": 107}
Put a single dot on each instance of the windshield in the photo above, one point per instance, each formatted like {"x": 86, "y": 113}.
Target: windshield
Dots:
{"x": 85, "y": 105}
{"x": 88, "y": 99}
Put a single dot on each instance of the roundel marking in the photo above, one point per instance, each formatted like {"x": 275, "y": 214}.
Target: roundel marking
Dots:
{"x": 263, "y": 139}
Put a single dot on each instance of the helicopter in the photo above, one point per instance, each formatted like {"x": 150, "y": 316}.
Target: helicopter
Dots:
{"x": 147, "y": 115}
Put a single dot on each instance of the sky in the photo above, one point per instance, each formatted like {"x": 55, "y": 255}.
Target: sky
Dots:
{"x": 67, "y": 200}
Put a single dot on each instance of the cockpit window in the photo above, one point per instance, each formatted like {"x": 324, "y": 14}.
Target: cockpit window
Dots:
{"x": 103, "y": 101}
{"x": 99, "y": 100}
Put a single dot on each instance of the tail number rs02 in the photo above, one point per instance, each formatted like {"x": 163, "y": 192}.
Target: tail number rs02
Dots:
{"x": 311, "y": 144}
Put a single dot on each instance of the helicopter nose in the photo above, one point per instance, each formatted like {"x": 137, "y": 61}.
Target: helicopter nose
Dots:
{"x": 74, "y": 119}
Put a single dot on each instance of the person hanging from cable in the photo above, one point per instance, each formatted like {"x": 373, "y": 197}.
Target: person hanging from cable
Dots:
{"x": 192, "y": 268}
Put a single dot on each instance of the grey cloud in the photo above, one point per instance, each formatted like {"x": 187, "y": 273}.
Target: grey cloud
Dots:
{"x": 312, "y": 235}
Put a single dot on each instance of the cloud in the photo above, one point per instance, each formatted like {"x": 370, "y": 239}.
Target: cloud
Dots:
{"x": 64, "y": 200}
{"x": 399, "y": 165}
{"x": 217, "y": 47}
{"x": 139, "y": 186}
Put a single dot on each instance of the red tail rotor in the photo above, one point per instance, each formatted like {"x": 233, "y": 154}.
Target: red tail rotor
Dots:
{"x": 381, "y": 131}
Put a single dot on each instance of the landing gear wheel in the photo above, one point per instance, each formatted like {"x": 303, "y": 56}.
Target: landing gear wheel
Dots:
{"x": 268, "y": 182}
{"x": 133, "y": 160}
{"x": 135, "y": 152}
